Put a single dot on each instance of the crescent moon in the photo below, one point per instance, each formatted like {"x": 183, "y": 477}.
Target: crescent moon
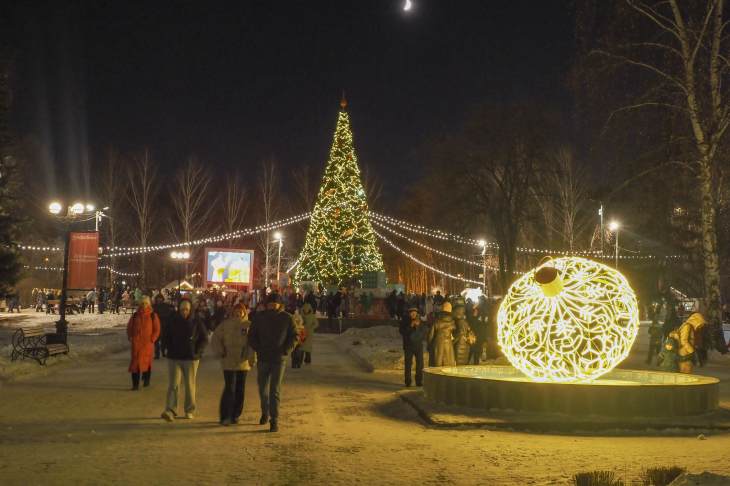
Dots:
{"x": 407, "y": 5}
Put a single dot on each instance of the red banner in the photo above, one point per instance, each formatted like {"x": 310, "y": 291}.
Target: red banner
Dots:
{"x": 83, "y": 254}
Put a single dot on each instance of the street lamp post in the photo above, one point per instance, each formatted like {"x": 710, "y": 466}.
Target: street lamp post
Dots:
{"x": 614, "y": 226}
{"x": 182, "y": 258}
{"x": 279, "y": 238}
{"x": 483, "y": 244}
{"x": 72, "y": 212}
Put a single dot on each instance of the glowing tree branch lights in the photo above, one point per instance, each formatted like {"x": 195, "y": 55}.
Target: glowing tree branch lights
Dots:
{"x": 570, "y": 319}
{"x": 340, "y": 243}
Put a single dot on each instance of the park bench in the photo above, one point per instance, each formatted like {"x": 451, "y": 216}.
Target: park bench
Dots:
{"x": 31, "y": 342}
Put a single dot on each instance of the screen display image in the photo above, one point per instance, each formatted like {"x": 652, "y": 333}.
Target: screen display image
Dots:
{"x": 225, "y": 266}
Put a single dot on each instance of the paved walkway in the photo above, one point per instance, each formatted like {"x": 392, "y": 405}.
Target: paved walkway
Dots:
{"x": 339, "y": 425}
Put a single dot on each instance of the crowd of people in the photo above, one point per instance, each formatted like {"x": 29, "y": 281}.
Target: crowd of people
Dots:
{"x": 678, "y": 340}
{"x": 454, "y": 331}
{"x": 180, "y": 328}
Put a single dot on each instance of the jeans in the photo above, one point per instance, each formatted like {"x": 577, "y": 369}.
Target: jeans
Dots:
{"x": 233, "y": 394}
{"x": 410, "y": 354}
{"x": 186, "y": 370}
{"x": 269, "y": 376}
{"x": 308, "y": 357}
{"x": 159, "y": 348}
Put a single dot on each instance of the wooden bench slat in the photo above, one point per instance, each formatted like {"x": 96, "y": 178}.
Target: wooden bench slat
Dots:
{"x": 32, "y": 331}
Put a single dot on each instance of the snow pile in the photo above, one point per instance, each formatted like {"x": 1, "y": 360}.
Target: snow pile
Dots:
{"x": 702, "y": 479}
{"x": 380, "y": 347}
{"x": 77, "y": 322}
{"x": 90, "y": 335}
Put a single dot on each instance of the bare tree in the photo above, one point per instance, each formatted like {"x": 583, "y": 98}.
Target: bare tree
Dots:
{"x": 682, "y": 48}
{"x": 235, "y": 205}
{"x": 268, "y": 191}
{"x": 141, "y": 194}
{"x": 561, "y": 192}
{"x": 192, "y": 201}
{"x": 305, "y": 186}
{"x": 114, "y": 188}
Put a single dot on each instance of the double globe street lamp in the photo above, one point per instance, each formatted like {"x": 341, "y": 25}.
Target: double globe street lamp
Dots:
{"x": 73, "y": 214}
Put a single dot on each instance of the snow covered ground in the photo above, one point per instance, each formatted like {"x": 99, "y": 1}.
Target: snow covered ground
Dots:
{"x": 90, "y": 336}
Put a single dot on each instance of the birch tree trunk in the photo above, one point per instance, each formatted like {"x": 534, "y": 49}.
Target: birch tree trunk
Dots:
{"x": 142, "y": 177}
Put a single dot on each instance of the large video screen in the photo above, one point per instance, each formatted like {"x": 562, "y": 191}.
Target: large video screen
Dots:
{"x": 228, "y": 266}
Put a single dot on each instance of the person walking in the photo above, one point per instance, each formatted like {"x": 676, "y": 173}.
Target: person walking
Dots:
{"x": 685, "y": 334}
{"x": 413, "y": 331}
{"x": 297, "y": 355}
{"x": 91, "y": 300}
{"x": 441, "y": 337}
{"x": 143, "y": 329}
{"x": 186, "y": 341}
{"x": 165, "y": 312}
{"x": 479, "y": 326}
{"x": 230, "y": 342}
{"x": 273, "y": 337}
{"x": 310, "y": 324}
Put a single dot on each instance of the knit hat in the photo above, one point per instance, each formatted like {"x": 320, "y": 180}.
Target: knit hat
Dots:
{"x": 446, "y": 307}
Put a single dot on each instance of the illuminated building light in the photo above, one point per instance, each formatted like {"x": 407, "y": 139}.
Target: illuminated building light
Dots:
{"x": 570, "y": 319}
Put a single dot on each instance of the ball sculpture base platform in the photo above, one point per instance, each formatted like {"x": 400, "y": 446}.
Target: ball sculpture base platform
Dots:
{"x": 618, "y": 394}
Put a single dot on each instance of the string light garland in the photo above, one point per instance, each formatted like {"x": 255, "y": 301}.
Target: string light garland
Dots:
{"x": 426, "y": 265}
{"x": 434, "y": 250}
{"x": 43, "y": 268}
{"x": 39, "y": 248}
{"x": 127, "y": 251}
{"x": 340, "y": 244}
{"x": 570, "y": 319}
{"x": 117, "y": 272}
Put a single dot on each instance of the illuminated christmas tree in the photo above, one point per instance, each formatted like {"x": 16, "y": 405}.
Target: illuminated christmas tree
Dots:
{"x": 340, "y": 244}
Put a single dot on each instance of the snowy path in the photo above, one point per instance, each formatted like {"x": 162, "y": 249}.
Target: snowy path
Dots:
{"x": 339, "y": 425}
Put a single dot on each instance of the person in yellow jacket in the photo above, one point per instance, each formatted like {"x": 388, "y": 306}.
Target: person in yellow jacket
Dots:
{"x": 685, "y": 334}
{"x": 230, "y": 342}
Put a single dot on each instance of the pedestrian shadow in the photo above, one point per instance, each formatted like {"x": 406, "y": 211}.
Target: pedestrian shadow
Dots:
{"x": 394, "y": 408}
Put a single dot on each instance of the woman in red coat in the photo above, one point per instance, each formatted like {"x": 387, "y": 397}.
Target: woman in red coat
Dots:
{"x": 143, "y": 330}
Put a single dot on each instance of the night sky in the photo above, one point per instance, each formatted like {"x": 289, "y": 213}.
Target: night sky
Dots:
{"x": 237, "y": 82}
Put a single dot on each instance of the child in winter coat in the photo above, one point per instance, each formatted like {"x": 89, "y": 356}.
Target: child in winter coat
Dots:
{"x": 297, "y": 356}
{"x": 668, "y": 357}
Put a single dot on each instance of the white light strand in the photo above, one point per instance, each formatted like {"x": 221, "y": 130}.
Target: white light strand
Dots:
{"x": 48, "y": 269}
{"x": 39, "y": 248}
{"x": 443, "y": 235}
{"x": 426, "y": 265}
{"x": 127, "y": 251}
{"x": 116, "y": 272}
{"x": 426, "y": 247}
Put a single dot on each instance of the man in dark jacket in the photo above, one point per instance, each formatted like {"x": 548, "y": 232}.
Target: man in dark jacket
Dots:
{"x": 273, "y": 337}
{"x": 413, "y": 331}
{"x": 186, "y": 340}
{"x": 165, "y": 313}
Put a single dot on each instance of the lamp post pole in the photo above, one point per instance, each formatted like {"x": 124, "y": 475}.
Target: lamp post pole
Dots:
{"x": 483, "y": 244}
{"x": 62, "y": 324}
{"x": 614, "y": 226}
{"x": 278, "y": 237}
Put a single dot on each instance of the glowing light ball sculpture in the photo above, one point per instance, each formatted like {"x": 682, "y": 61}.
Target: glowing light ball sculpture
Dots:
{"x": 570, "y": 319}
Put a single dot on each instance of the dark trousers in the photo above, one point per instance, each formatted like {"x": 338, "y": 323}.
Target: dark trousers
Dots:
{"x": 297, "y": 357}
{"x": 411, "y": 353}
{"x": 145, "y": 378}
{"x": 91, "y": 307}
{"x": 269, "y": 376}
{"x": 307, "y": 357}
{"x": 159, "y": 349}
{"x": 475, "y": 353}
{"x": 655, "y": 347}
{"x": 233, "y": 392}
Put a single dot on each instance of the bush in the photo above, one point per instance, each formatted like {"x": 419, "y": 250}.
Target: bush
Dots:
{"x": 660, "y": 476}
{"x": 596, "y": 478}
